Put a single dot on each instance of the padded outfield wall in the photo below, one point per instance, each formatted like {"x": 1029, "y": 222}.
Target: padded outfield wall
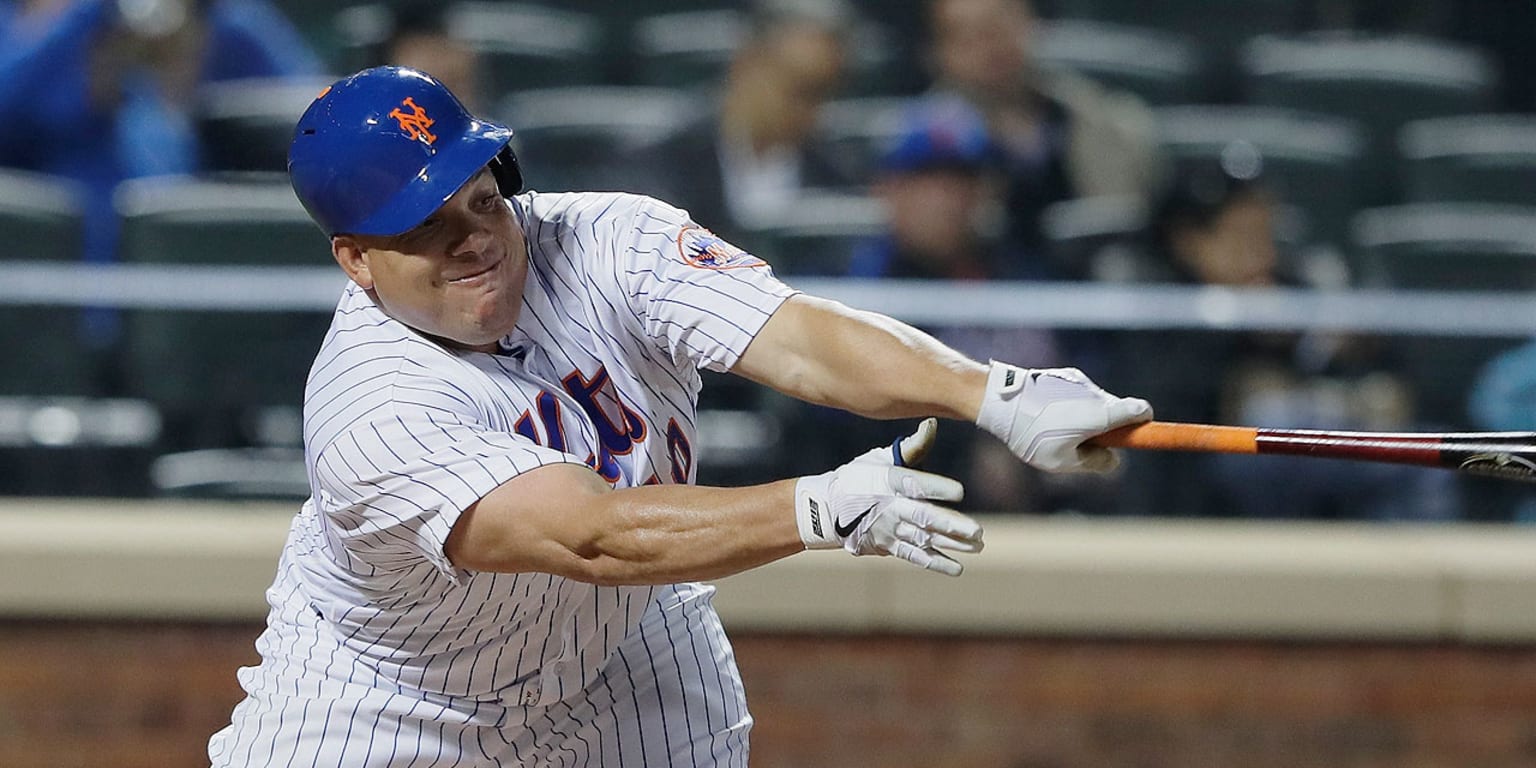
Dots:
{"x": 1068, "y": 643}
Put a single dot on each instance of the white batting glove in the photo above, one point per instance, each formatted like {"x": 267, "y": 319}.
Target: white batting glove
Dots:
{"x": 1045, "y": 415}
{"x": 874, "y": 505}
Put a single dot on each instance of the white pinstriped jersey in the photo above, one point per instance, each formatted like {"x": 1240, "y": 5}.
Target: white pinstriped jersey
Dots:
{"x": 625, "y": 300}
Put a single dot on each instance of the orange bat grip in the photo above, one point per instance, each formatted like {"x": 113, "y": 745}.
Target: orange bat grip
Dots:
{"x": 1177, "y": 436}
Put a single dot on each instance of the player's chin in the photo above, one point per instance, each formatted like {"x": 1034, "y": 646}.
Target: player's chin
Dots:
{"x": 487, "y": 322}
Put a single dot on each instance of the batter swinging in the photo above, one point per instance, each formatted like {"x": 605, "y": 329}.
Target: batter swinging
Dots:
{"x": 498, "y": 564}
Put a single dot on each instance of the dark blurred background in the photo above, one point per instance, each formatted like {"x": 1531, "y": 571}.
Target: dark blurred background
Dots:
{"x": 1276, "y": 148}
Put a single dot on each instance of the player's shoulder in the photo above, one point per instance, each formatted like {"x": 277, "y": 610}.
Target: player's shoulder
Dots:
{"x": 386, "y": 376}
{"x": 364, "y": 338}
{"x": 595, "y": 209}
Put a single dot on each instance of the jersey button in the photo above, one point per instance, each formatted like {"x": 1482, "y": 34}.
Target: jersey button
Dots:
{"x": 531, "y": 694}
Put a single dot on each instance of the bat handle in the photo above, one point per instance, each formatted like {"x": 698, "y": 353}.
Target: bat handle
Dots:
{"x": 1178, "y": 436}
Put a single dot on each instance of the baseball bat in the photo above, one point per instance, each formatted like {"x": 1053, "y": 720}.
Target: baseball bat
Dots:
{"x": 1508, "y": 455}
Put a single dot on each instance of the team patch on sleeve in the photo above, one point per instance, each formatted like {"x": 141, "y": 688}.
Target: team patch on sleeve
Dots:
{"x": 704, "y": 249}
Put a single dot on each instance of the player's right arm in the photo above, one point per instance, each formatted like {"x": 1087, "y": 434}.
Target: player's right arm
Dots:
{"x": 414, "y": 478}
{"x": 564, "y": 519}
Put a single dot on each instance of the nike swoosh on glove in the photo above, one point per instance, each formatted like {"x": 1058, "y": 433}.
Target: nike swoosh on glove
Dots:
{"x": 872, "y": 506}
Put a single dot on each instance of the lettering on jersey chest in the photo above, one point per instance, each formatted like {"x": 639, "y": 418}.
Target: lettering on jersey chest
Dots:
{"x": 620, "y": 430}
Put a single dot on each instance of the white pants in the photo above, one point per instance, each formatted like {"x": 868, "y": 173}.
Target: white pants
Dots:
{"x": 670, "y": 696}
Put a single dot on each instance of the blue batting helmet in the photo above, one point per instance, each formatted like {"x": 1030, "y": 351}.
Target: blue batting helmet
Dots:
{"x": 379, "y": 151}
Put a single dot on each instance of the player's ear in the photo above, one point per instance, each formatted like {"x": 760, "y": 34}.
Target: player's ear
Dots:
{"x": 353, "y": 259}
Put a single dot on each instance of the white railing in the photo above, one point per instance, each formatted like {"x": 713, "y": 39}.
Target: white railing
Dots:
{"x": 996, "y": 304}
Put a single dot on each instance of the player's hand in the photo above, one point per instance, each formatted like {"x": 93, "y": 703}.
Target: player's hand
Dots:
{"x": 1045, "y": 415}
{"x": 874, "y": 505}
{"x": 908, "y": 451}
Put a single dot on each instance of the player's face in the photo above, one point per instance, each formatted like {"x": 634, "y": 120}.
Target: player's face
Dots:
{"x": 457, "y": 276}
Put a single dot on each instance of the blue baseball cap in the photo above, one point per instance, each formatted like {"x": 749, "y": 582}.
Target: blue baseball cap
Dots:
{"x": 940, "y": 135}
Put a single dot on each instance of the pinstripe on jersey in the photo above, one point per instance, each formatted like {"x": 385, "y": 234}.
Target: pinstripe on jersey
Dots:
{"x": 378, "y": 650}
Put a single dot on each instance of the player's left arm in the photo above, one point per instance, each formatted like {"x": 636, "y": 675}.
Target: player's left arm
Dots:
{"x": 826, "y": 353}
{"x": 823, "y": 352}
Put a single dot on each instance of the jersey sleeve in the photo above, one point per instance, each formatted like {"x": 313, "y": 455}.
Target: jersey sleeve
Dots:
{"x": 697, "y": 296}
{"x": 393, "y": 485}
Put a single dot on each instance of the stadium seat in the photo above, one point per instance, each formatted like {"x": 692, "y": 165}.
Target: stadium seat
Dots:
{"x": 41, "y": 219}
{"x": 818, "y": 234}
{"x": 186, "y": 221}
{"x": 59, "y": 434}
{"x": 576, "y": 138}
{"x": 1160, "y": 67}
{"x": 1097, "y": 238}
{"x": 686, "y": 49}
{"x": 1311, "y": 160}
{"x": 525, "y": 46}
{"x": 857, "y": 130}
{"x": 268, "y": 473}
{"x": 1382, "y": 82}
{"x": 693, "y": 49}
{"x": 313, "y": 20}
{"x": 741, "y": 429}
{"x": 361, "y": 31}
{"x": 618, "y": 21}
{"x": 1446, "y": 247}
{"x": 876, "y": 65}
{"x": 247, "y": 125}
{"x": 41, "y": 215}
{"x": 76, "y": 446}
{"x": 1476, "y": 158}
{"x": 1218, "y": 28}
{"x": 610, "y": 10}
{"x": 221, "y": 378}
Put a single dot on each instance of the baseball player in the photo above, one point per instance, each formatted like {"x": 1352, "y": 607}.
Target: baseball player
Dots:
{"x": 499, "y": 562}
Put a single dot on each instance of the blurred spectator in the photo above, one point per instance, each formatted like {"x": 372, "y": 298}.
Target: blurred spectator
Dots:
{"x": 1213, "y": 225}
{"x": 1505, "y": 395}
{"x": 419, "y": 37}
{"x": 1062, "y": 136}
{"x": 1503, "y": 399}
{"x": 99, "y": 91}
{"x": 1502, "y": 28}
{"x": 936, "y": 183}
{"x": 741, "y": 169}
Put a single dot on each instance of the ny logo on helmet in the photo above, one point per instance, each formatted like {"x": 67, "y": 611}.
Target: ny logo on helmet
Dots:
{"x": 416, "y": 122}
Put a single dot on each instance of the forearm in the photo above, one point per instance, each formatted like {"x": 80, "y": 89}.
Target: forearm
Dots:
{"x": 662, "y": 534}
{"x": 648, "y": 535}
{"x": 823, "y": 352}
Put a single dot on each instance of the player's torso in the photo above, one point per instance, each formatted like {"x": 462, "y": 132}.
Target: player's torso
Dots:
{"x": 592, "y": 404}
{"x": 572, "y": 377}
{"x": 634, "y": 407}
{"x": 521, "y": 638}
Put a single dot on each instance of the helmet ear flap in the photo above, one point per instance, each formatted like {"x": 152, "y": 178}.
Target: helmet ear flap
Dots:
{"x": 509, "y": 178}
